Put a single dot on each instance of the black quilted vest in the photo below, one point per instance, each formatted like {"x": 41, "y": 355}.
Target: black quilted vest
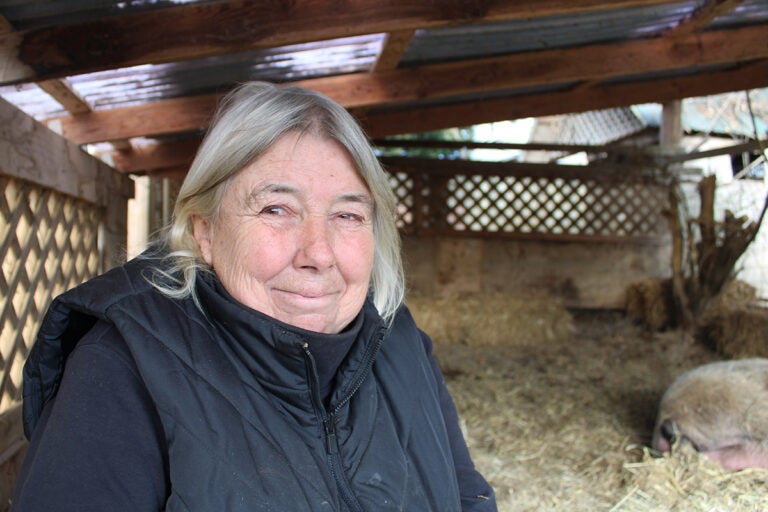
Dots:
{"x": 237, "y": 394}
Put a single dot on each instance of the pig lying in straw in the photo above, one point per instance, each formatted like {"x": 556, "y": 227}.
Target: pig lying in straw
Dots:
{"x": 722, "y": 410}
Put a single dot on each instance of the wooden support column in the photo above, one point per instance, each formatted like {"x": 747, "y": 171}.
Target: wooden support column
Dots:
{"x": 671, "y": 133}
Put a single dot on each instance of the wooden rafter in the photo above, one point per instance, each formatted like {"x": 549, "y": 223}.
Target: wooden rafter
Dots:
{"x": 443, "y": 81}
{"x": 699, "y": 19}
{"x": 162, "y": 117}
{"x": 61, "y": 90}
{"x": 702, "y": 16}
{"x": 393, "y": 49}
{"x": 159, "y": 155}
{"x": 380, "y": 124}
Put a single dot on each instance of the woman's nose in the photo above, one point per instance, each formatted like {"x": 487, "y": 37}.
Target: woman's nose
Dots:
{"x": 315, "y": 248}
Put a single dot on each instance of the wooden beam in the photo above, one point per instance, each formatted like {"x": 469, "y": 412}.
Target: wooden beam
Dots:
{"x": 174, "y": 173}
{"x": 61, "y": 90}
{"x": 158, "y": 155}
{"x": 157, "y": 158}
{"x": 32, "y": 152}
{"x": 703, "y": 16}
{"x": 436, "y": 166}
{"x": 735, "y": 149}
{"x": 393, "y": 49}
{"x": 469, "y": 144}
{"x": 544, "y": 67}
{"x": 454, "y": 79}
{"x": 414, "y": 120}
{"x": 156, "y": 118}
{"x": 208, "y": 29}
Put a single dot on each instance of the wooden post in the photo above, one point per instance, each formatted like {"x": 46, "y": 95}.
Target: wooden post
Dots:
{"x": 679, "y": 234}
{"x": 671, "y": 130}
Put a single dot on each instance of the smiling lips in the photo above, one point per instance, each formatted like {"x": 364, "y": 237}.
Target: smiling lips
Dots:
{"x": 306, "y": 295}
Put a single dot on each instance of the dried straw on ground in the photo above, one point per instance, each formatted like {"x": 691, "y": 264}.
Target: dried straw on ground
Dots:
{"x": 562, "y": 423}
{"x": 736, "y": 333}
{"x": 687, "y": 481}
{"x": 492, "y": 318}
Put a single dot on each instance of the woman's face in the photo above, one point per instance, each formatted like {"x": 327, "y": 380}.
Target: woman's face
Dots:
{"x": 294, "y": 238}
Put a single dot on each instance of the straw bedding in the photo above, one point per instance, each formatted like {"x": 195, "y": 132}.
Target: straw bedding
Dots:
{"x": 561, "y": 420}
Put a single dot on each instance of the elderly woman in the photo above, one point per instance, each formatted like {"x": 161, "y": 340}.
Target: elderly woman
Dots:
{"x": 259, "y": 358}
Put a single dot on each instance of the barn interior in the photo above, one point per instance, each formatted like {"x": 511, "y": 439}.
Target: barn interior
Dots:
{"x": 544, "y": 259}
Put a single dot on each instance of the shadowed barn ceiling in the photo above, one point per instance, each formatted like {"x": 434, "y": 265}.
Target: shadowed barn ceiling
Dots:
{"x": 141, "y": 78}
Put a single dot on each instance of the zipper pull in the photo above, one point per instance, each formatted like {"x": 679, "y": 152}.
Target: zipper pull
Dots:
{"x": 331, "y": 445}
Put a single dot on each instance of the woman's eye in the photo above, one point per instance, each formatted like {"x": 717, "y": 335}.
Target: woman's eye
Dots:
{"x": 352, "y": 217}
{"x": 273, "y": 210}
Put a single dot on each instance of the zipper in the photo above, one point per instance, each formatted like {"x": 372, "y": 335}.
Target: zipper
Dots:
{"x": 329, "y": 433}
{"x": 371, "y": 351}
{"x": 368, "y": 357}
{"x": 331, "y": 443}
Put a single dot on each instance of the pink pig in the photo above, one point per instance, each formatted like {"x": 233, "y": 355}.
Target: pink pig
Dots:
{"x": 722, "y": 410}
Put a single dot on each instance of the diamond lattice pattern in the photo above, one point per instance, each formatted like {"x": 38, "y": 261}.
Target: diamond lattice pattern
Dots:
{"x": 49, "y": 244}
{"x": 521, "y": 205}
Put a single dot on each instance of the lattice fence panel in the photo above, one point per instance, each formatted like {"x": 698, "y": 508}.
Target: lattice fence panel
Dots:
{"x": 49, "y": 244}
{"x": 552, "y": 206}
{"x": 403, "y": 186}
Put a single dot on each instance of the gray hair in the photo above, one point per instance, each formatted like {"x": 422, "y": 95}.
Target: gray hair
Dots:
{"x": 249, "y": 120}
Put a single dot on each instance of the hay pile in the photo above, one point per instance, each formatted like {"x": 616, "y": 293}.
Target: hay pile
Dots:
{"x": 736, "y": 333}
{"x": 562, "y": 423}
{"x": 687, "y": 481}
{"x": 492, "y": 319}
{"x": 651, "y": 303}
{"x": 734, "y": 324}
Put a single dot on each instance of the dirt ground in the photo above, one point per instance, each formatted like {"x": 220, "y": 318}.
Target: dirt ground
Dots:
{"x": 565, "y": 425}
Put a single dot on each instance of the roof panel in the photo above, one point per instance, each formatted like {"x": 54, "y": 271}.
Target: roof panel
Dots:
{"x": 515, "y": 36}
{"x": 748, "y": 13}
{"x": 34, "y": 14}
{"x": 139, "y": 84}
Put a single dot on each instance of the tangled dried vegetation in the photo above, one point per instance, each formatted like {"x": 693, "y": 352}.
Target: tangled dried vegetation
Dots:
{"x": 558, "y": 407}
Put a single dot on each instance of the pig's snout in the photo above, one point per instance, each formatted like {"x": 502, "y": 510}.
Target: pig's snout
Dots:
{"x": 667, "y": 435}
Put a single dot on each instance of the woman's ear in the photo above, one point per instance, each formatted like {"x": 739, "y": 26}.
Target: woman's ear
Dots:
{"x": 203, "y": 233}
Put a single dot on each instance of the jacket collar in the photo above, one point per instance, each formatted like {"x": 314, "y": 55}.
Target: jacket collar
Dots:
{"x": 275, "y": 352}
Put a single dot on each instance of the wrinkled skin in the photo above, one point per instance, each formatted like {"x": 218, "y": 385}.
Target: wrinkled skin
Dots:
{"x": 721, "y": 409}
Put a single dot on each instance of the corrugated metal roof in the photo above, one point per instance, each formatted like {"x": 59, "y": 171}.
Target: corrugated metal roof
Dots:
{"x": 140, "y": 84}
{"x": 748, "y": 13}
{"x": 34, "y": 14}
{"x": 499, "y": 38}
